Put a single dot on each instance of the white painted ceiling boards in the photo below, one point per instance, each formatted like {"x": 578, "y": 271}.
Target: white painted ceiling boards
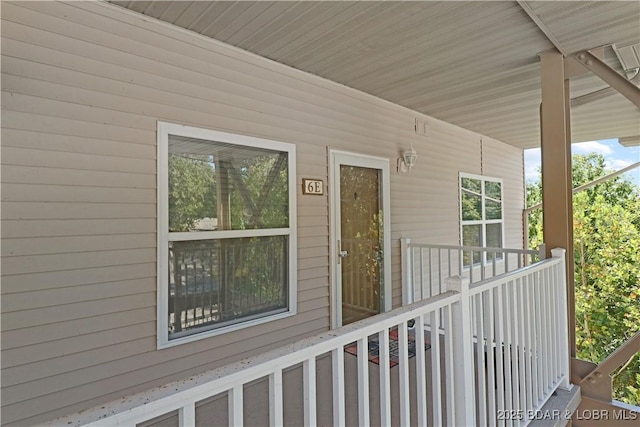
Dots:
{"x": 471, "y": 63}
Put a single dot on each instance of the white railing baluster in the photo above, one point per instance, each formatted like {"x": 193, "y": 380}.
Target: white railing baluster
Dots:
{"x": 431, "y": 290}
{"x": 489, "y": 321}
{"x": 539, "y": 335}
{"x": 275, "y": 399}
{"x": 515, "y": 348}
{"x": 499, "y": 352}
{"x": 187, "y": 415}
{"x": 363, "y": 381}
{"x": 309, "y": 385}
{"x": 421, "y": 371}
{"x": 531, "y": 353}
{"x": 524, "y": 347}
{"x": 337, "y": 371}
{"x": 506, "y": 352}
{"x": 493, "y": 263}
{"x": 480, "y": 361}
{"x": 385, "y": 378}
{"x": 408, "y": 289}
{"x": 235, "y": 397}
{"x": 403, "y": 373}
{"x": 436, "y": 376}
{"x": 554, "y": 320}
{"x": 546, "y": 328}
{"x": 449, "y": 366}
{"x": 422, "y": 288}
{"x": 440, "y": 270}
{"x": 555, "y": 369}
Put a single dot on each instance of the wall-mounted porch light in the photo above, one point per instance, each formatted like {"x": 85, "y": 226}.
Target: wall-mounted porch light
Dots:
{"x": 408, "y": 160}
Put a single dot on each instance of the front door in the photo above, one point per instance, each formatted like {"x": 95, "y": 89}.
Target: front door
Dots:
{"x": 361, "y": 237}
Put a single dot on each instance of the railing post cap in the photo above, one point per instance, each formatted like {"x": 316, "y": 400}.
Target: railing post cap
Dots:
{"x": 558, "y": 252}
{"x": 455, "y": 283}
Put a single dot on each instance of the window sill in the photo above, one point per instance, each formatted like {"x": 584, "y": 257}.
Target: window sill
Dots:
{"x": 164, "y": 342}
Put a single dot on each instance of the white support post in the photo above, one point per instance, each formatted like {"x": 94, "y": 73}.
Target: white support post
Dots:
{"x": 187, "y": 415}
{"x": 407, "y": 271}
{"x": 463, "y": 380}
{"x": 561, "y": 296}
{"x": 235, "y": 399}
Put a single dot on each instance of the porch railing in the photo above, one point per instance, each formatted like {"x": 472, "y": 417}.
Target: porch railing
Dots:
{"x": 519, "y": 327}
{"x": 496, "y": 356}
{"x": 425, "y": 266}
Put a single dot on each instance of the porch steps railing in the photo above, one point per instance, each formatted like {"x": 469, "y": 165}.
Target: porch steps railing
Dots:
{"x": 498, "y": 351}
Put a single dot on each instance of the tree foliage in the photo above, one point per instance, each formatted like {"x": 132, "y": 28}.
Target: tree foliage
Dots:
{"x": 192, "y": 191}
{"x": 606, "y": 225}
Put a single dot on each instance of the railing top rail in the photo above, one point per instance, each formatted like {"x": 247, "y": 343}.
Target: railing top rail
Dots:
{"x": 165, "y": 399}
{"x": 492, "y": 282}
{"x": 472, "y": 248}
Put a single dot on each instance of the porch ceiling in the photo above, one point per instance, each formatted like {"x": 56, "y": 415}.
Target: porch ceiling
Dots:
{"x": 471, "y": 63}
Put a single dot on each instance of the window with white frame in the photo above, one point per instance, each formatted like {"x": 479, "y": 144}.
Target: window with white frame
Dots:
{"x": 481, "y": 216}
{"x": 226, "y": 232}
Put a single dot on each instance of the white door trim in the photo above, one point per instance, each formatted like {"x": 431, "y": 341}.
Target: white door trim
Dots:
{"x": 337, "y": 158}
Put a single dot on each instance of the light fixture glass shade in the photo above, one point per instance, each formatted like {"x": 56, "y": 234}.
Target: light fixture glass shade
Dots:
{"x": 410, "y": 156}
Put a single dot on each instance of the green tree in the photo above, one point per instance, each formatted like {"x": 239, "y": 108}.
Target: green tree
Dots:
{"x": 607, "y": 264}
{"x": 192, "y": 191}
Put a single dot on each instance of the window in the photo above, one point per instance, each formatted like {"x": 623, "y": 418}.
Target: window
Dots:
{"x": 481, "y": 216}
{"x": 226, "y": 232}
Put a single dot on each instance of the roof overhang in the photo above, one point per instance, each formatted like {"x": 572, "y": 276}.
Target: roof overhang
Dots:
{"x": 471, "y": 63}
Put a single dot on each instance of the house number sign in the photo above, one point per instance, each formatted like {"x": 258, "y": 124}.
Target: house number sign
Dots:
{"x": 313, "y": 186}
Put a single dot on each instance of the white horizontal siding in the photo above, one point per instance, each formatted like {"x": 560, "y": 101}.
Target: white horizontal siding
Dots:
{"x": 83, "y": 87}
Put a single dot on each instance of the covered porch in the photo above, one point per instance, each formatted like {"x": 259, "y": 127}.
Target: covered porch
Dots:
{"x": 490, "y": 351}
{"x": 468, "y": 335}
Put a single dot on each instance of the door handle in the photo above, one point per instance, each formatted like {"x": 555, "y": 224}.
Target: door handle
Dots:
{"x": 341, "y": 253}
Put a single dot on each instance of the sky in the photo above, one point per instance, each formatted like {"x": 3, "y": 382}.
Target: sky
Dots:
{"x": 616, "y": 157}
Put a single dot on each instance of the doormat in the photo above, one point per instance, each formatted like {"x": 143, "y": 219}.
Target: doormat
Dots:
{"x": 374, "y": 348}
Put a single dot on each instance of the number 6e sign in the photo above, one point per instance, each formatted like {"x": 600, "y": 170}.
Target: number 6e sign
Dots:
{"x": 312, "y": 186}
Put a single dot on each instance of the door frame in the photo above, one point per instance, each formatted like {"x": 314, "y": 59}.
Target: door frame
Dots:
{"x": 337, "y": 158}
